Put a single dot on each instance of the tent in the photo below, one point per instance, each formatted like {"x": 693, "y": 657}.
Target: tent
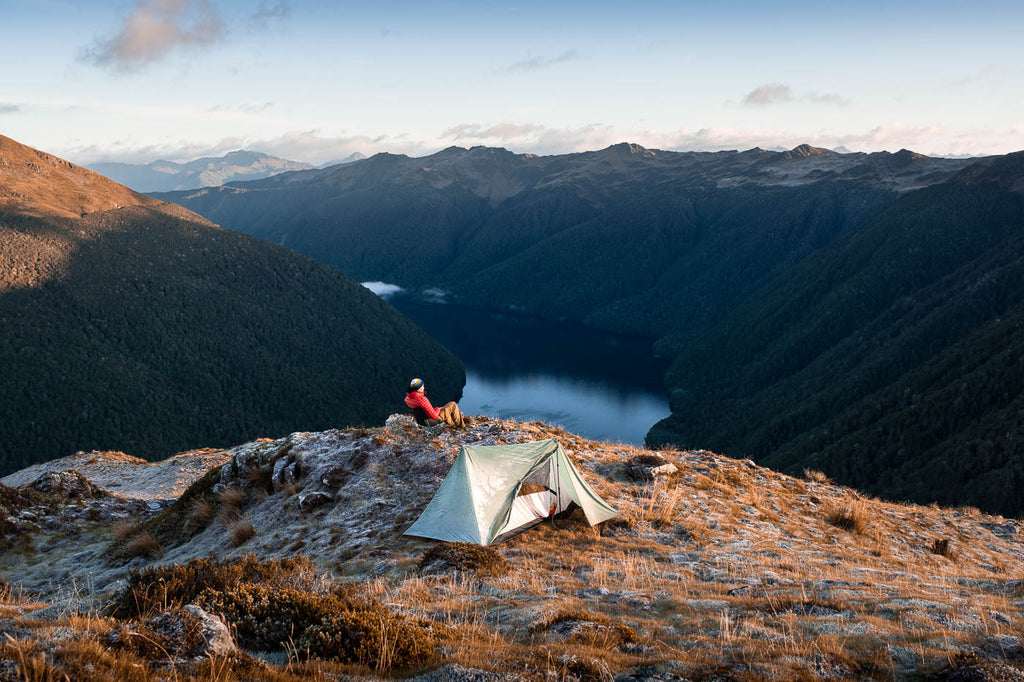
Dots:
{"x": 494, "y": 492}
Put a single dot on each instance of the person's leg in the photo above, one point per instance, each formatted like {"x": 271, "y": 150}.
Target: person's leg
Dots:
{"x": 451, "y": 415}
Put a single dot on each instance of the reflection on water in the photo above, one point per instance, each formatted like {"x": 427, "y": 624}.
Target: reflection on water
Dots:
{"x": 599, "y": 385}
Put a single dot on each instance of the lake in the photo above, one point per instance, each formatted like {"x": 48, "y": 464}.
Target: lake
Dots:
{"x": 596, "y": 384}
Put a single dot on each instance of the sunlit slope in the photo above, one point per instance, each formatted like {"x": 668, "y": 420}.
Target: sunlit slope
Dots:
{"x": 137, "y": 330}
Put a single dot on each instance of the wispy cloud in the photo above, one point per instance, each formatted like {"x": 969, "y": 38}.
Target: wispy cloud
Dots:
{"x": 8, "y": 108}
{"x": 154, "y": 29}
{"x": 777, "y": 93}
{"x": 773, "y": 93}
{"x": 266, "y": 13}
{"x": 538, "y": 63}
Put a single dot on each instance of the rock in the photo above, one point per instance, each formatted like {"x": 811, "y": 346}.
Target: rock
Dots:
{"x": 335, "y": 477}
{"x": 193, "y": 632}
{"x": 286, "y": 472}
{"x": 650, "y": 467}
{"x": 313, "y": 500}
{"x": 457, "y": 673}
{"x": 69, "y": 484}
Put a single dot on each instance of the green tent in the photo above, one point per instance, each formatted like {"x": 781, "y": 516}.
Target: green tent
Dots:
{"x": 493, "y": 492}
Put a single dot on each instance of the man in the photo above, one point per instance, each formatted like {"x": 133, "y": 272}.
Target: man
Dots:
{"x": 416, "y": 400}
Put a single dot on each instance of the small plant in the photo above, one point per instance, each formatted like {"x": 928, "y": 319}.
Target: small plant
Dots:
{"x": 232, "y": 502}
{"x": 241, "y": 531}
{"x": 816, "y": 476}
{"x": 942, "y": 547}
{"x": 144, "y": 545}
{"x": 851, "y": 517}
{"x": 200, "y": 516}
{"x": 463, "y": 556}
{"x": 589, "y": 629}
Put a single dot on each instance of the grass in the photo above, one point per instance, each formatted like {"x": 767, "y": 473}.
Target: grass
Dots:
{"x": 727, "y": 570}
{"x": 849, "y": 515}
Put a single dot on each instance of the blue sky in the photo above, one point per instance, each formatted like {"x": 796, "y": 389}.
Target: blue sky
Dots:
{"x": 141, "y": 80}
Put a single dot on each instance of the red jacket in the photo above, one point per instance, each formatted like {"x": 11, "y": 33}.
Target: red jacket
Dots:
{"x": 417, "y": 399}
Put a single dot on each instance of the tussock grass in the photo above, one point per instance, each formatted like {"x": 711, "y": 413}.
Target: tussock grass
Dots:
{"x": 143, "y": 545}
{"x": 849, "y": 515}
{"x": 241, "y": 531}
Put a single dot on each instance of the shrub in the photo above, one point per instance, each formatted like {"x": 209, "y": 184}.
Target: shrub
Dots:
{"x": 942, "y": 547}
{"x": 463, "y": 556}
{"x": 373, "y": 636}
{"x": 143, "y": 545}
{"x": 816, "y": 476}
{"x": 851, "y": 517}
{"x": 158, "y": 587}
{"x": 241, "y": 531}
{"x": 585, "y": 628}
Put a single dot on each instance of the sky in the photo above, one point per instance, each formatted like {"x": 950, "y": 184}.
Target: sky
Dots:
{"x": 315, "y": 81}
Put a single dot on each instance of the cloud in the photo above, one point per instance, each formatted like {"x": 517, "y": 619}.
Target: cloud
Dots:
{"x": 267, "y": 13}
{"x": 154, "y": 29}
{"x": 8, "y": 108}
{"x": 773, "y": 93}
{"x": 501, "y": 131}
{"x": 776, "y": 93}
{"x": 538, "y": 63}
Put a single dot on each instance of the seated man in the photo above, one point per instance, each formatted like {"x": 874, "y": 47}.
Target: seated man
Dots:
{"x": 416, "y": 399}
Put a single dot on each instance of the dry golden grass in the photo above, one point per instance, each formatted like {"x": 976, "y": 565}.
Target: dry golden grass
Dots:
{"x": 849, "y": 515}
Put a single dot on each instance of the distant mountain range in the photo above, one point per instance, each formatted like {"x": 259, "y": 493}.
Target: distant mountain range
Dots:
{"x": 127, "y": 323}
{"x": 166, "y": 176}
{"x": 847, "y": 312}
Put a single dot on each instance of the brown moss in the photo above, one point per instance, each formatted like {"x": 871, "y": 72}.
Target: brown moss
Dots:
{"x": 581, "y": 627}
{"x": 463, "y": 556}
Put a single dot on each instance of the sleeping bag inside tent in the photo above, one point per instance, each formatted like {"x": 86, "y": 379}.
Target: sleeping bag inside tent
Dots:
{"x": 495, "y": 491}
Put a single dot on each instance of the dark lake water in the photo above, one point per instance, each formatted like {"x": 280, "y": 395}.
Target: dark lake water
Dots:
{"x": 599, "y": 385}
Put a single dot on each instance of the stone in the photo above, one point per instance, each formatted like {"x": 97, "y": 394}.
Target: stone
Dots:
{"x": 193, "y": 632}
{"x": 70, "y": 484}
{"x": 313, "y": 500}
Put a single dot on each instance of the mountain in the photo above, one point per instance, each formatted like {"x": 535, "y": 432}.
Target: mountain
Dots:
{"x": 166, "y": 176}
{"x": 841, "y": 312}
{"x": 889, "y": 359}
{"x": 225, "y": 563}
{"x": 626, "y": 238}
{"x": 130, "y": 323}
{"x": 351, "y": 158}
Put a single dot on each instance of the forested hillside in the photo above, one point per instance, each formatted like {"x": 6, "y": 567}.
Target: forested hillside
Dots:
{"x": 850, "y": 313}
{"x": 148, "y": 330}
{"x": 892, "y": 360}
{"x": 627, "y": 239}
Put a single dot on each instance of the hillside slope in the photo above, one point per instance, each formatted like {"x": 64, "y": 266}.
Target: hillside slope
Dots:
{"x": 718, "y": 570}
{"x": 890, "y": 360}
{"x": 626, "y": 238}
{"x": 128, "y": 323}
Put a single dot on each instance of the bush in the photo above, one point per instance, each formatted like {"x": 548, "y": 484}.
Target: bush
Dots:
{"x": 463, "y": 556}
{"x": 272, "y": 604}
{"x": 160, "y": 587}
{"x": 373, "y": 636}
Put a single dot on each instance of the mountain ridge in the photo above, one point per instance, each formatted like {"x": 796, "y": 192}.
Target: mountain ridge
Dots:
{"x": 165, "y": 176}
{"x": 715, "y": 569}
{"x": 130, "y": 326}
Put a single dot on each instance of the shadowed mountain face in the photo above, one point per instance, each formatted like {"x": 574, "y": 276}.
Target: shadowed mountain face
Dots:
{"x": 148, "y": 329}
{"x": 890, "y": 360}
{"x": 845, "y": 312}
{"x": 626, "y": 238}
